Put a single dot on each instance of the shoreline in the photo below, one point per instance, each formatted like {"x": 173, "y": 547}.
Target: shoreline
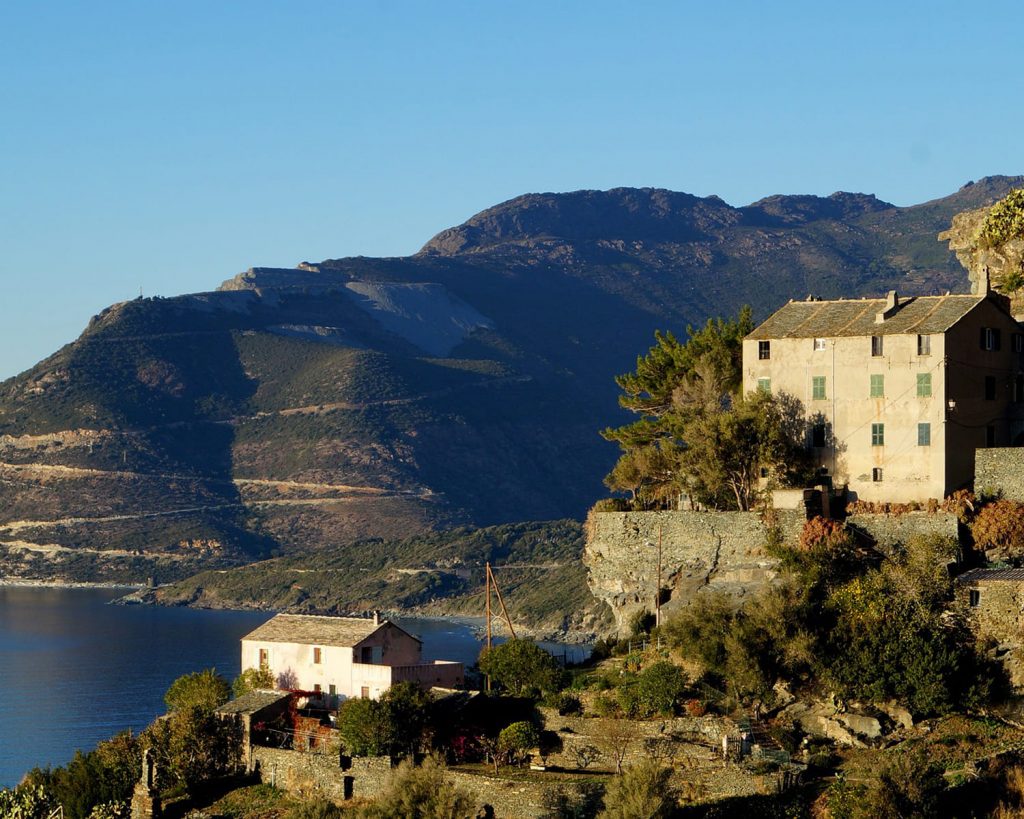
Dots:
{"x": 28, "y": 582}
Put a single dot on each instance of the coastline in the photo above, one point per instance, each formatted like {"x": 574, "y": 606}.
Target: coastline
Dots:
{"x": 28, "y": 582}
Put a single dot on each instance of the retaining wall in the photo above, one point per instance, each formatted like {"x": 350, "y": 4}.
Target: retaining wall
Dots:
{"x": 1000, "y": 470}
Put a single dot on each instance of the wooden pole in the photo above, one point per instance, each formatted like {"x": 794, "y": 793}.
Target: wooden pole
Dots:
{"x": 501, "y": 602}
{"x": 487, "y": 586}
{"x": 657, "y": 598}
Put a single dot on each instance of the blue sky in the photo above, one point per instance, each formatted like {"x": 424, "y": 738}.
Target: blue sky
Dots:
{"x": 167, "y": 146}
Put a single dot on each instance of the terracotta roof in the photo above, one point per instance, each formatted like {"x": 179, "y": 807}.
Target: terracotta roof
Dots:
{"x": 856, "y": 317}
{"x": 981, "y": 575}
{"x": 309, "y": 629}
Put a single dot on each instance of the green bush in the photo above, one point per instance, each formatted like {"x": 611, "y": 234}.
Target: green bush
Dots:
{"x": 639, "y": 791}
{"x": 517, "y": 740}
{"x": 421, "y": 793}
{"x": 205, "y": 689}
{"x": 521, "y": 667}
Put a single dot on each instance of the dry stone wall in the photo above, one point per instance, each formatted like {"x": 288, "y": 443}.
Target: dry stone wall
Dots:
{"x": 890, "y": 531}
{"x": 701, "y": 551}
{"x": 1000, "y": 470}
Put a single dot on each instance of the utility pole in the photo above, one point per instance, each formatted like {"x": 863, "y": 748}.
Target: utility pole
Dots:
{"x": 487, "y": 585}
{"x": 657, "y": 593}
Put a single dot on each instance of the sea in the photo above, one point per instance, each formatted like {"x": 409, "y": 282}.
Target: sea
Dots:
{"x": 75, "y": 670}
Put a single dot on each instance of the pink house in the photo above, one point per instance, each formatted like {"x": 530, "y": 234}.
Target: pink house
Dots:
{"x": 343, "y": 657}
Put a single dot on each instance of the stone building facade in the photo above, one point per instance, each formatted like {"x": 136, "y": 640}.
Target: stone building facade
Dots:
{"x": 993, "y": 600}
{"x": 899, "y": 392}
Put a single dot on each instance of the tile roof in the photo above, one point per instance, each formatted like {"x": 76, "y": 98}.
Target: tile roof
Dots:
{"x": 253, "y": 701}
{"x": 310, "y": 629}
{"x": 976, "y": 575}
{"x": 856, "y": 317}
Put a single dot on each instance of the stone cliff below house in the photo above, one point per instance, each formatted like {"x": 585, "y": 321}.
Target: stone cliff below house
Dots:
{"x": 700, "y": 551}
{"x": 711, "y": 552}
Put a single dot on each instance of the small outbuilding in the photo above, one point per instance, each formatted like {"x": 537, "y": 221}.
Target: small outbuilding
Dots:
{"x": 994, "y": 602}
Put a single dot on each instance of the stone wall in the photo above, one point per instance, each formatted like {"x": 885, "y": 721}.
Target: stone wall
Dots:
{"x": 890, "y": 531}
{"x": 719, "y": 551}
{"x": 997, "y": 614}
{"x": 1000, "y": 470}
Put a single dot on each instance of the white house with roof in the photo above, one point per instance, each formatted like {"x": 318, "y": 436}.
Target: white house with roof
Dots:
{"x": 342, "y": 657}
{"x": 900, "y": 392}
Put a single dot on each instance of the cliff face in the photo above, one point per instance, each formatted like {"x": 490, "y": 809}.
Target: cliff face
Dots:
{"x": 300, "y": 408}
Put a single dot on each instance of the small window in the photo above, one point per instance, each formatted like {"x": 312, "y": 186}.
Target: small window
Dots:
{"x": 764, "y": 471}
{"x": 989, "y": 338}
{"x": 764, "y": 350}
{"x": 316, "y": 687}
{"x": 878, "y": 435}
{"x": 876, "y": 345}
{"x": 876, "y": 474}
{"x": 818, "y": 388}
{"x": 990, "y": 436}
{"x": 924, "y": 385}
{"x": 764, "y": 385}
{"x": 818, "y": 435}
{"x": 332, "y": 690}
{"x": 924, "y": 345}
{"x": 264, "y": 657}
{"x": 990, "y": 388}
{"x": 1018, "y": 343}
{"x": 974, "y": 598}
{"x": 877, "y": 386}
{"x": 819, "y": 344}
{"x": 1018, "y": 389}
{"x": 924, "y": 434}
{"x": 364, "y": 692}
{"x": 366, "y": 654}
{"x": 316, "y": 656}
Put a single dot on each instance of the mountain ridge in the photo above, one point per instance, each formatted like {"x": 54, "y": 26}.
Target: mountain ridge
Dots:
{"x": 294, "y": 409}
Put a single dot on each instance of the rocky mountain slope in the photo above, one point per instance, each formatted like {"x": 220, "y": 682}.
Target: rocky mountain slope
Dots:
{"x": 297, "y": 409}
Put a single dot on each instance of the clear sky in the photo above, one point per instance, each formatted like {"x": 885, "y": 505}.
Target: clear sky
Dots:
{"x": 169, "y": 145}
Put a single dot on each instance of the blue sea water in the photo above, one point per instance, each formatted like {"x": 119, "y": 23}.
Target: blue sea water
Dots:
{"x": 75, "y": 670}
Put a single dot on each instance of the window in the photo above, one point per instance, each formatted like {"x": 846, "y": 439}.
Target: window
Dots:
{"x": 924, "y": 345}
{"x": 877, "y": 386}
{"x": 1018, "y": 389}
{"x": 878, "y": 435}
{"x": 764, "y": 385}
{"x": 764, "y": 350}
{"x": 819, "y": 344}
{"x": 316, "y": 656}
{"x": 1018, "y": 343}
{"x": 332, "y": 690}
{"x": 990, "y": 388}
{"x": 876, "y": 345}
{"x": 924, "y": 434}
{"x": 364, "y": 692}
{"x": 989, "y": 338}
{"x": 876, "y": 474}
{"x": 316, "y": 688}
{"x": 974, "y": 598}
{"x": 366, "y": 654}
{"x": 990, "y": 436}
{"x": 924, "y": 385}
{"x": 818, "y": 435}
{"x": 818, "y": 388}
{"x": 264, "y": 657}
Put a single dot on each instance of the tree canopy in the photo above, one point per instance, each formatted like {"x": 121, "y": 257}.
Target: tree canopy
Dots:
{"x": 520, "y": 667}
{"x": 206, "y": 690}
{"x": 697, "y": 433}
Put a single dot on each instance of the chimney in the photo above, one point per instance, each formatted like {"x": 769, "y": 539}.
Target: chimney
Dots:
{"x": 376, "y": 618}
{"x": 984, "y": 281}
{"x": 892, "y": 304}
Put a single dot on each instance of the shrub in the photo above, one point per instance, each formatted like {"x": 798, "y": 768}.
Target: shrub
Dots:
{"x": 641, "y": 790}
{"x": 317, "y": 809}
{"x": 1000, "y": 526}
{"x": 205, "y": 689}
{"x": 521, "y": 667}
{"x": 659, "y": 688}
{"x": 252, "y": 679}
{"x": 908, "y": 786}
{"x": 193, "y": 746}
{"x": 581, "y": 800}
{"x": 421, "y": 793}
{"x": 565, "y": 703}
{"x": 517, "y": 740}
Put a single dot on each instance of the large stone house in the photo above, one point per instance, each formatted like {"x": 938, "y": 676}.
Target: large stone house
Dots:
{"x": 342, "y": 657}
{"x": 900, "y": 392}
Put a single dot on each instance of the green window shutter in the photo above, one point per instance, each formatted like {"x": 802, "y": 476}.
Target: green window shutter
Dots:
{"x": 764, "y": 385}
{"x": 877, "y": 386}
{"x": 924, "y": 434}
{"x": 924, "y": 385}
{"x": 878, "y": 435}
{"x": 818, "y": 388}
